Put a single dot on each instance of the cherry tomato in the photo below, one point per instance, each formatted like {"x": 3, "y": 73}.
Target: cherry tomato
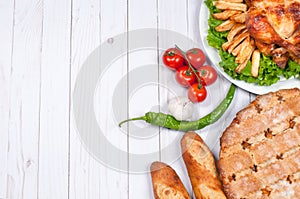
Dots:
{"x": 197, "y": 93}
{"x": 185, "y": 77}
{"x": 173, "y": 59}
{"x": 196, "y": 57}
{"x": 207, "y": 74}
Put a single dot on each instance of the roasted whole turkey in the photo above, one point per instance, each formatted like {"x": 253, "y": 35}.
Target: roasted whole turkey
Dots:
{"x": 274, "y": 25}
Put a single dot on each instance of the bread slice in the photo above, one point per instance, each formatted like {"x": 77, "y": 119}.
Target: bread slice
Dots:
{"x": 201, "y": 167}
{"x": 166, "y": 183}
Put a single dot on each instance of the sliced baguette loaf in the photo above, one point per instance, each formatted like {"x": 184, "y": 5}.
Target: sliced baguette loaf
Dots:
{"x": 166, "y": 183}
{"x": 201, "y": 167}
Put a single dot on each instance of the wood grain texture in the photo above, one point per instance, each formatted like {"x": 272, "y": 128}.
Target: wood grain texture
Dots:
{"x": 141, "y": 15}
{"x": 6, "y": 39}
{"x": 55, "y": 100}
{"x": 88, "y": 177}
{"x": 22, "y": 161}
{"x": 114, "y": 21}
{"x": 84, "y": 170}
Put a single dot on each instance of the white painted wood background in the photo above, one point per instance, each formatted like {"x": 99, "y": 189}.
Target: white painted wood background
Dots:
{"x": 43, "y": 44}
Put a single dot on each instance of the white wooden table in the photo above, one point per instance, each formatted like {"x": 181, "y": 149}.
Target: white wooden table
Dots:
{"x": 43, "y": 44}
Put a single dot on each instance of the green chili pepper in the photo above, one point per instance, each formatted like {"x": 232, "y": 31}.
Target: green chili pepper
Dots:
{"x": 168, "y": 121}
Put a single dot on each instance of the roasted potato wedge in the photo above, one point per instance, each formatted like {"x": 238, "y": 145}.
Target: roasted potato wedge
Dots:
{"x": 240, "y": 48}
{"x": 226, "y": 45}
{"x": 255, "y": 63}
{"x": 239, "y": 18}
{"x": 237, "y": 40}
{"x": 247, "y": 55}
{"x": 227, "y": 25}
{"x": 234, "y": 1}
{"x": 237, "y": 49}
{"x": 225, "y": 5}
{"x": 226, "y": 14}
{"x": 244, "y": 54}
{"x": 235, "y": 30}
{"x": 243, "y": 65}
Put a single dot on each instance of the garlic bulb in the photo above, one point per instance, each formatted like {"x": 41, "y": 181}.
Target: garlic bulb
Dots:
{"x": 181, "y": 108}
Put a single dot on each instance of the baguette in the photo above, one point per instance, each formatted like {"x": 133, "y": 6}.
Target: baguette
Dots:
{"x": 166, "y": 183}
{"x": 201, "y": 167}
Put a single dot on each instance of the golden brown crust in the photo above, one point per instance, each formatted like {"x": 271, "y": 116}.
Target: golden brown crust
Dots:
{"x": 260, "y": 150}
{"x": 166, "y": 183}
{"x": 201, "y": 167}
{"x": 267, "y": 23}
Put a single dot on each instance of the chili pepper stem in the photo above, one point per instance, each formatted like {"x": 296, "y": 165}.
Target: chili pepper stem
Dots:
{"x": 132, "y": 119}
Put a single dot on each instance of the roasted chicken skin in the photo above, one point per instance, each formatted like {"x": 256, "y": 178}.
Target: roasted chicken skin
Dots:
{"x": 273, "y": 25}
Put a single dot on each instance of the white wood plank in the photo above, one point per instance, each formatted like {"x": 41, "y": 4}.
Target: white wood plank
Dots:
{"x": 143, "y": 139}
{"x": 55, "y": 103}
{"x": 25, "y": 100}
{"x": 89, "y": 178}
{"x": 113, "y": 23}
{"x": 84, "y": 170}
{"x": 6, "y": 40}
{"x": 193, "y": 9}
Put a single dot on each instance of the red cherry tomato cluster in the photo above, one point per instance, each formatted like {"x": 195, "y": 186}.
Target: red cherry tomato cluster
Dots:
{"x": 191, "y": 71}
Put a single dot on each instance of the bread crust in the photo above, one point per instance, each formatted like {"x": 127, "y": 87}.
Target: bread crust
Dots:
{"x": 201, "y": 167}
{"x": 260, "y": 149}
{"x": 166, "y": 183}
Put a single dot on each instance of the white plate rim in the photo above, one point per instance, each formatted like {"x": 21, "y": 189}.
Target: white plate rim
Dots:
{"x": 214, "y": 57}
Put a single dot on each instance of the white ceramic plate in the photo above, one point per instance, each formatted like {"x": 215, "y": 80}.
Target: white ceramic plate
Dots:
{"x": 213, "y": 55}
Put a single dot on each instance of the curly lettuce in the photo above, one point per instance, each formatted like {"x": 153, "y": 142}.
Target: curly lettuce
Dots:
{"x": 269, "y": 72}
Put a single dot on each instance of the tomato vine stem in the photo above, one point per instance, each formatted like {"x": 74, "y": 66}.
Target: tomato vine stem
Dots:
{"x": 189, "y": 65}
